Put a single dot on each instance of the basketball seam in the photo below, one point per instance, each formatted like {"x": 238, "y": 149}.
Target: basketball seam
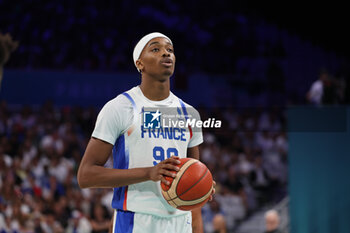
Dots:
{"x": 181, "y": 177}
{"x": 193, "y": 202}
{"x": 193, "y": 186}
{"x": 171, "y": 200}
{"x": 167, "y": 192}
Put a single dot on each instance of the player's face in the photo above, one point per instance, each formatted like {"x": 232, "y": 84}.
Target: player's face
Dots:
{"x": 158, "y": 57}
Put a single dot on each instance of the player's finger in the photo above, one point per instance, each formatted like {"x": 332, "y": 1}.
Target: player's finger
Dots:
{"x": 166, "y": 172}
{"x": 212, "y": 193}
{"x": 164, "y": 181}
{"x": 174, "y": 157}
{"x": 172, "y": 160}
{"x": 169, "y": 166}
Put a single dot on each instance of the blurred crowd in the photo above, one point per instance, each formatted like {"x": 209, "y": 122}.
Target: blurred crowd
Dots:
{"x": 40, "y": 150}
{"x": 39, "y": 154}
{"x": 248, "y": 159}
{"x": 222, "y": 38}
{"x": 102, "y": 34}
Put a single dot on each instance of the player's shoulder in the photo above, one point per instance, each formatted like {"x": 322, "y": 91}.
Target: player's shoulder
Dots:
{"x": 118, "y": 101}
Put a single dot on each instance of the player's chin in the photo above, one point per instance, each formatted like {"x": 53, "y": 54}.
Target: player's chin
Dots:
{"x": 168, "y": 72}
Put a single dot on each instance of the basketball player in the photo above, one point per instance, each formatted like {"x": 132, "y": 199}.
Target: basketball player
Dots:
{"x": 141, "y": 156}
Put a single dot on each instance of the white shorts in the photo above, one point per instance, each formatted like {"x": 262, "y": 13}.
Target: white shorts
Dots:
{"x": 130, "y": 222}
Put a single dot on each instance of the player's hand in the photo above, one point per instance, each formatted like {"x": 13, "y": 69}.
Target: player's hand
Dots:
{"x": 212, "y": 192}
{"x": 164, "y": 168}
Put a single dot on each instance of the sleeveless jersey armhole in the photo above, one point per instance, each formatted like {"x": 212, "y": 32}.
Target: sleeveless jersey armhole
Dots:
{"x": 131, "y": 127}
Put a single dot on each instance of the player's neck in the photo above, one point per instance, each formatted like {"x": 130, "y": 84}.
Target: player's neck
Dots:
{"x": 155, "y": 90}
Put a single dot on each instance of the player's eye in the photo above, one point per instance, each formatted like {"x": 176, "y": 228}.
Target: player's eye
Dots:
{"x": 155, "y": 50}
{"x": 170, "y": 50}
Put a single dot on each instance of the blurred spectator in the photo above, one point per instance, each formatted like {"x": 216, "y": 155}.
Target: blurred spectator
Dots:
{"x": 219, "y": 224}
{"x": 210, "y": 213}
{"x": 327, "y": 90}
{"x": 100, "y": 219}
{"x": 272, "y": 221}
{"x": 260, "y": 181}
{"x": 315, "y": 94}
{"x": 234, "y": 205}
{"x": 323, "y": 90}
{"x": 78, "y": 223}
{"x": 49, "y": 223}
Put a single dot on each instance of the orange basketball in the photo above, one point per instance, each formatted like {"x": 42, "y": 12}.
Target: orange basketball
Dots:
{"x": 192, "y": 186}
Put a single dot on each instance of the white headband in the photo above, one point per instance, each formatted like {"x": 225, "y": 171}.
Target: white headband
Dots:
{"x": 142, "y": 43}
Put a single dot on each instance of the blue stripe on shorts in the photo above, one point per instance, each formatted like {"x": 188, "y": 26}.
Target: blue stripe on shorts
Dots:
{"x": 124, "y": 222}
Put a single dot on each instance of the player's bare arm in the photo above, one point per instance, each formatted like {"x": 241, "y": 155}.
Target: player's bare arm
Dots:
{"x": 93, "y": 174}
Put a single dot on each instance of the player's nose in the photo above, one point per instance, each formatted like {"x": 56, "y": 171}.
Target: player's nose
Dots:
{"x": 166, "y": 53}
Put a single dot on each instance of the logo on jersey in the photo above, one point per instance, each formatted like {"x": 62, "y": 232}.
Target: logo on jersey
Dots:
{"x": 151, "y": 119}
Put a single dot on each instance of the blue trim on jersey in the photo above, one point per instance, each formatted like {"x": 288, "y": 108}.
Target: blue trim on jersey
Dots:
{"x": 124, "y": 222}
{"x": 120, "y": 161}
{"x": 179, "y": 111}
{"x": 183, "y": 106}
{"x": 120, "y": 154}
{"x": 131, "y": 100}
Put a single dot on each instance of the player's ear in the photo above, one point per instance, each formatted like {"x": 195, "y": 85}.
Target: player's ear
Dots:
{"x": 139, "y": 65}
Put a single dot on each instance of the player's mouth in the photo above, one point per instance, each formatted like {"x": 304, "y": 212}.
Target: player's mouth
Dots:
{"x": 168, "y": 62}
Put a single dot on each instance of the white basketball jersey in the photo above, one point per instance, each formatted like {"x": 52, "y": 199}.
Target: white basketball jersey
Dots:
{"x": 141, "y": 137}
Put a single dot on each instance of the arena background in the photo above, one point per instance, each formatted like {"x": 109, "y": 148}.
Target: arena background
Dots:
{"x": 248, "y": 64}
